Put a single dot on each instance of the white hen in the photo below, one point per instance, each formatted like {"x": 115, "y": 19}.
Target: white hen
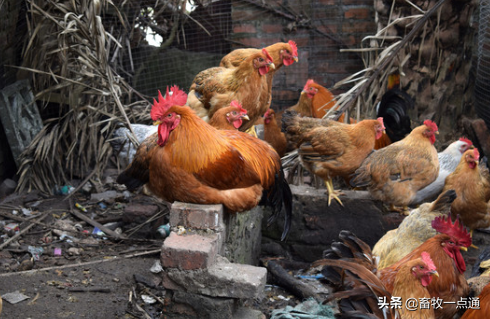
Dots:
{"x": 448, "y": 160}
{"x": 125, "y": 146}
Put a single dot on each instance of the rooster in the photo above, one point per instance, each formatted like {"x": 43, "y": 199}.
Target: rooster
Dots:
{"x": 448, "y": 160}
{"x": 473, "y": 189}
{"x": 413, "y": 231}
{"x": 350, "y": 269}
{"x": 229, "y": 118}
{"x": 216, "y": 87}
{"x": 338, "y": 150}
{"x": 273, "y": 134}
{"x": 125, "y": 144}
{"x": 396, "y": 172}
{"x": 445, "y": 250}
{"x": 190, "y": 161}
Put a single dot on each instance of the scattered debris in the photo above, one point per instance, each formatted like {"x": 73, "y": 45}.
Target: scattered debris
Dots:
{"x": 15, "y": 297}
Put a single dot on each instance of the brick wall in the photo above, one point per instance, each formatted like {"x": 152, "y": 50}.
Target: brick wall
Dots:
{"x": 319, "y": 27}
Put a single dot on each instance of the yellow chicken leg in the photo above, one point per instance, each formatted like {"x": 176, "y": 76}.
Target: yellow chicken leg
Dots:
{"x": 471, "y": 235}
{"x": 402, "y": 210}
{"x": 252, "y": 131}
{"x": 332, "y": 193}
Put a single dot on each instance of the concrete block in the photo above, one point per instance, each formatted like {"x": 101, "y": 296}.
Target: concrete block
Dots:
{"x": 190, "y": 251}
{"x": 243, "y": 236}
{"x": 223, "y": 279}
{"x": 197, "y": 216}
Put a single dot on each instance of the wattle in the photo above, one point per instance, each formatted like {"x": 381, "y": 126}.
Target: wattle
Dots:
{"x": 237, "y": 124}
{"x": 264, "y": 70}
{"x": 287, "y": 61}
{"x": 432, "y": 139}
{"x": 162, "y": 134}
{"x": 460, "y": 264}
{"x": 426, "y": 280}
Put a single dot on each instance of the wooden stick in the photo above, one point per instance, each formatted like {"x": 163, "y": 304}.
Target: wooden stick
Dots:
{"x": 89, "y": 289}
{"x": 30, "y": 272}
{"x": 92, "y": 222}
{"x": 22, "y": 231}
{"x": 285, "y": 280}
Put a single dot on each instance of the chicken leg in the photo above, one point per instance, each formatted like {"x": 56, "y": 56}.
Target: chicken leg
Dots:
{"x": 402, "y": 210}
{"x": 472, "y": 245}
{"x": 332, "y": 193}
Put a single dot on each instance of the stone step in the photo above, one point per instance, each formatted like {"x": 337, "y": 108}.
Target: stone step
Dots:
{"x": 223, "y": 279}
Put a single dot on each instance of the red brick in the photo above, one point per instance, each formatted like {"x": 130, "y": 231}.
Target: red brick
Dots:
{"x": 272, "y": 28}
{"x": 357, "y": 2}
{"x": 245, "y": 28}
{"x": 189, "y": 251}
{"x": 357, "y": 13}
{"x": 197, "y": 216}
{"x": 354, "y": 27}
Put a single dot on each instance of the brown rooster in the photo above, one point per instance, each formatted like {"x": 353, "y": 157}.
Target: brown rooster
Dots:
{"x": 482, "y": 310}
{"x": 473, "y": 190}
{"x": 216, "y": 87}
{"x": 396, "y": 172}
{"x": 445, "y": 250}
{"x": 338, "y": 150}
{"x": 413, "y": 231}
{"x": 229, "y": 118}
{"x": 190, "y": 161}
{"x": 350, "y": 269}
{"x": 273, "y": 134}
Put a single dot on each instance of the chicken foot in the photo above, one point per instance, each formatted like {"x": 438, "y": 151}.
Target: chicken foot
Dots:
{"x": 332, "y": 193}
{"x": 402, "y": 210}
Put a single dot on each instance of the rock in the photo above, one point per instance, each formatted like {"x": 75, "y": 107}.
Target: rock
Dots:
{"x": 315, "y": 224}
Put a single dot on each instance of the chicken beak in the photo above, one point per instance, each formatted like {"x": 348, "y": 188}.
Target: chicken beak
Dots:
{"x": 295, "y": 58}
{"x": 434, "y": 272}
{"x": 245, "y": 117}
{"x": 272, "y": 65}
{"x": 157, "y": 122}
{"x": 436, "y": 132}
{"x": 463, "y": 248}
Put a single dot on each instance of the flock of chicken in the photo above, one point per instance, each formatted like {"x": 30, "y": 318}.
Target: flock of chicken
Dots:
{"x": 204, "y": 151}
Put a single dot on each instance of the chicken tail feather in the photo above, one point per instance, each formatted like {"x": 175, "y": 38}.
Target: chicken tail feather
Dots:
{"x": 276, "y": 197}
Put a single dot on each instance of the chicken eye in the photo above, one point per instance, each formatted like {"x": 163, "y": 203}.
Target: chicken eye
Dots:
{"x": 234, "y": 113}
{"x": 451, "y": 242}
{"x": 170, "y": 115}
{"x": 261, "y": 60}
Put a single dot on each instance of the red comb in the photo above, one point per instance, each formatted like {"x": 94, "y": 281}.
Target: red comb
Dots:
{"x": 308, "y": 83}
{"x": 467, "y": 141}
{"x": 476, "y": 153}
{"x": 380, "y": 120}
{"x": 457, "y": 230}
{"x": 178, "y": 97}
{"x": 428, "y": 261}
{"x": 430, "y": 124}
{"x": 269, "y": 58}
{"x": 268, "y": 112}
{"x": 294, "y": 48}
{"x": 237, "y": 104}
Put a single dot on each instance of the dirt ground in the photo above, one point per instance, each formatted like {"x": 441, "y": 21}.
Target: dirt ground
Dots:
{"x": 64, "y": 268}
